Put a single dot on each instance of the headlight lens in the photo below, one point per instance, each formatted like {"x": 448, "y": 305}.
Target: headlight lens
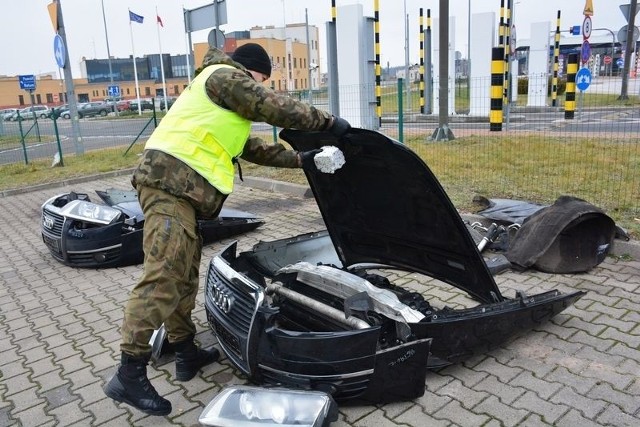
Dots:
{"x": 244, "y": 406}
{"x": 88, "y": 211}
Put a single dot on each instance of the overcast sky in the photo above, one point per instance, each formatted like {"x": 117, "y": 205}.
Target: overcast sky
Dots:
{"x": 27, "y": 34}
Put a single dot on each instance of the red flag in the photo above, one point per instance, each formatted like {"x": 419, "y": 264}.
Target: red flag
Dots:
{"x": 159, "y": 21}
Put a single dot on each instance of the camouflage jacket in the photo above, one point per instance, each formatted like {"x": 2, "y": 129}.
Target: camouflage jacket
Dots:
{"x": 236, "y": 90}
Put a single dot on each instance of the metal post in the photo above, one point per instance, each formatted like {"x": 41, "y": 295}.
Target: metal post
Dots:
{"x": 55, "y": 129}
{"x": 70, "y": 93}
{"x": 407, "y": 68}
{"x": 556, "y": 54}
{"x": 421, "y": 63}
{"x": 400, "y": 114}
{"x": 376, "y": 19}
{"x": 309, "y": 88}
{"x": 443, "y": 133}
{"x": 429, "y": 62}
{"x": 629, "y": 46}
{"x": 507, "y": 71}
{"x": 274, "y": 128}
{"x": 469, "y": 52}
{"x": 104, "y": 20}
{"x": 332, "y": 63}
{"x": 497, "y": 85}
{"x": 570, "y": 93}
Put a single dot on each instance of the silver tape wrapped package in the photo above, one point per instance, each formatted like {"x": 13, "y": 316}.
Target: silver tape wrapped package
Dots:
{"x": 329, "y": 160}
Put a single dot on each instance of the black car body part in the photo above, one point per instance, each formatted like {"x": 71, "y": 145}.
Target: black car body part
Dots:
{"x": 80, "y": 242}
{"x": 316, "y": 311}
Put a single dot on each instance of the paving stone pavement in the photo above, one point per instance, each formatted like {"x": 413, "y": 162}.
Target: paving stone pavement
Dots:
{"x": 59, "y": 337}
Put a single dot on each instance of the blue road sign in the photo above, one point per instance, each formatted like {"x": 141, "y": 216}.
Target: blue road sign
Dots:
{"x": 583, "y": 79}
{"x": 575, "y": 30}
{"x": 620, "y": 62}
{"x": 27, "y": 82}
{"x": 113, "y": 91}
{"x": 585, "y": 52}
{"x": 59, "y": 51}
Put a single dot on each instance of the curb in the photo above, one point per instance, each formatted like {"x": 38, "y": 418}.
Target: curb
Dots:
{"x": 66, "y": 182}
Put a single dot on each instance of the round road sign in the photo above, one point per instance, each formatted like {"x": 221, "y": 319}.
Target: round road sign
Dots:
{"x": 585, "y": 52}
{"x": 586, "y": 27}
{"x": 583, "y": 79}
{"x": 607, "y": 60}
{"x": 59, "y": 50}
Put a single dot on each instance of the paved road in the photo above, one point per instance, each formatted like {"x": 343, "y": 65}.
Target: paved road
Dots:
{"x": 59, "y": 335}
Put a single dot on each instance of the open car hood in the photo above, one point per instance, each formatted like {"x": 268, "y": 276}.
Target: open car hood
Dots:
{"x": 385, "y": 206}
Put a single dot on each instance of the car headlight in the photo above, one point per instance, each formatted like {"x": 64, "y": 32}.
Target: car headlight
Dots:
{"x": 245, "y": 406}
{"x": 88, "y": 211}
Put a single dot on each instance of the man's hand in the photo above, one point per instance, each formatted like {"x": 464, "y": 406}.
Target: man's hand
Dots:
{"x": 339, "y": 126}
{"x": 306, "y": 158}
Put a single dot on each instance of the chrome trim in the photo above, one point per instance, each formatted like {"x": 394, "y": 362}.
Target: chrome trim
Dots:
{"x": 119, "y": 245}
{"x": 230, "y": 274}
{"x": 319, "y": 377}
{"x": 48, "y": 222}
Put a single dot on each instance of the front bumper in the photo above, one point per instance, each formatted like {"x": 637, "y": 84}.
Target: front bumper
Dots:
{"x": 99, "y": 246}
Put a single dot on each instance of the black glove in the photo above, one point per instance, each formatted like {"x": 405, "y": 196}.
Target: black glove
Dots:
{"x": 306, "y": 158}
{"x": 339, "y": 127}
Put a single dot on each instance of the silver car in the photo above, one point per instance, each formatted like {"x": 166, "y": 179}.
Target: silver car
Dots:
{"x": 7, "y": 113}
{"x": 41, "y": 112}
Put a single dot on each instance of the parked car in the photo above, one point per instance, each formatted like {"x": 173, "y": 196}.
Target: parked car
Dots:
{"x": 351, "y": 309}
{"x": 7, "y": 113}
{"x": 81, "y": 233}
{"x": 89, "y": 109}
{"x": 59, "y": 109}
{"x": 41, "y": 112}
{"x": 145, "y": 104}
{"x": 170, "y": 102}
{"x": 122, "y": 105}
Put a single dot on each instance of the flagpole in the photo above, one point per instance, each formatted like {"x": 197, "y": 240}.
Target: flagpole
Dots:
{"x": 135, "y": 68}
{"x": 164, "y": 85}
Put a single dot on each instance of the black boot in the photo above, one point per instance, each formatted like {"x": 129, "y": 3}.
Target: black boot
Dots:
{"x": 190, "y": 358}
{"x": 131, "y": 386}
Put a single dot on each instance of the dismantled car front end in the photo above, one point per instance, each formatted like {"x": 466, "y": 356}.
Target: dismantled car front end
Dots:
{"x": 81, "y": 233}
{"x": 321, "y": 311}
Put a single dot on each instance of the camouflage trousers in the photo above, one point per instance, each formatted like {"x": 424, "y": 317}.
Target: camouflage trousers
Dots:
{"x": 166, "y": 292}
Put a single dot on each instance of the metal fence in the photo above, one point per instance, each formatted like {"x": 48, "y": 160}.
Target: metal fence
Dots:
{"x": 537, "y": 156}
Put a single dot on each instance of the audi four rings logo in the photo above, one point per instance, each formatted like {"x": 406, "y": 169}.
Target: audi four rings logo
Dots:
{"x": 48, "y": 222}
{"x": 221, "y": 299}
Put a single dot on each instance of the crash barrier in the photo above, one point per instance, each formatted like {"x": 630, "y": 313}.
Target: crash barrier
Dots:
{"x": 537, "y": 156}
{"x": 497, "y": 84}
{"x": 570, "y": 101}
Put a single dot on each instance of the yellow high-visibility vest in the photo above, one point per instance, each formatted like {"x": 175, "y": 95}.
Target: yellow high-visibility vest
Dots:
{"x": 202, "y": 134}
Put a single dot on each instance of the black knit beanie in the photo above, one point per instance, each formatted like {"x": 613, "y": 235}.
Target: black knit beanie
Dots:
{"x": 254, "y": 58}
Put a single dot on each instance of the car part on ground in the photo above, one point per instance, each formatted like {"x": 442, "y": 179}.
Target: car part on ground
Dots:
{"x": 321, "y": 311}
{"x": 81, "y": 233}
{"x": 244, "y": 405}
{"x": 569, "y": 236}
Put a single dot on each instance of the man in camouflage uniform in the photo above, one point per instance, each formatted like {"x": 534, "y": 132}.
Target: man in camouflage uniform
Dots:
{"x": 186, "y": 172}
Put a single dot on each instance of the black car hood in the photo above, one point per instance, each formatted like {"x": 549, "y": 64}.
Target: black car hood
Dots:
{"x": 385, "y": 206}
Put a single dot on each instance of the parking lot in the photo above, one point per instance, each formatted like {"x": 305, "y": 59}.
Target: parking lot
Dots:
{"x": 59, "y": 337}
